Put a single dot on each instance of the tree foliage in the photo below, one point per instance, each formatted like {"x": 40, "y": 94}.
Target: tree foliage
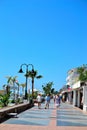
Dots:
{"x": 4, "y": 99}
{"x": 48, "y": 88}
{"x": 82, "y": 73}
{"x": 33, "y": 75}
{"x": 11, "y": 80}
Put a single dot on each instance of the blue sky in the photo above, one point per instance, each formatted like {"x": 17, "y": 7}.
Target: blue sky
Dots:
{"x": 50, "y": 34}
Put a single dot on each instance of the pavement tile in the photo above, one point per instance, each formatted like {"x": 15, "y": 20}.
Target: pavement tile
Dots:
{"x": 66, "y": 117}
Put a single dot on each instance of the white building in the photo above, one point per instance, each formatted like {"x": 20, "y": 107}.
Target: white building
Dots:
{"x": 78, "y": 89}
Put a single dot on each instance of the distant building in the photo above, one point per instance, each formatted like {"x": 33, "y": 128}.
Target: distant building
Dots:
{"x": 2, "y": 91}
{"x": 72, "y": 77}
{"x": 78, "y": 92}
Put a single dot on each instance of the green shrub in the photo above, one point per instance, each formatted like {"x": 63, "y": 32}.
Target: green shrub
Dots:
{"x": 4, "y": 99}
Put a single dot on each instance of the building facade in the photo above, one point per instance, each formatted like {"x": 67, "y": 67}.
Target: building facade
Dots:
{"x": 78, "y": 90}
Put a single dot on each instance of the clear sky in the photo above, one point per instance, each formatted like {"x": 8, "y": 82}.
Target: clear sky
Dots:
{"x": 50, "y": 34}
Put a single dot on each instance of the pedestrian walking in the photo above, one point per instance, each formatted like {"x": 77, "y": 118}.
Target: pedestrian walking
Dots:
{"x": 47, "y": 101}
{"x": 57, "y": 101}
{"x": 54, "y": 97}
{"x": 39, "y": 101}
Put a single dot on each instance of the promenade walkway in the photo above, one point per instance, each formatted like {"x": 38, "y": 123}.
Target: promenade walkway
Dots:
{"x": 66, "y": 117}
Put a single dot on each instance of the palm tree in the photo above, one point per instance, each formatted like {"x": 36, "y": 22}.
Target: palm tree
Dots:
{"x": 18, "y": 89}
{"x": 23, "y": 86}
{"x": 48, "y": 88}
{"x": 12, "y": 81}
{"x": 33, "y": 75}
{"x": 82, "y": 71}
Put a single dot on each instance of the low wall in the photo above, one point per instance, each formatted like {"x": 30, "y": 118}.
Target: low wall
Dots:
{"x": 14, "y": 109}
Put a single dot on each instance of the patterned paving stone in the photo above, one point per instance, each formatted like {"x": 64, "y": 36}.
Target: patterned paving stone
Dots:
{"x": 33, "y": 116}
{"x": 67, "y": 115}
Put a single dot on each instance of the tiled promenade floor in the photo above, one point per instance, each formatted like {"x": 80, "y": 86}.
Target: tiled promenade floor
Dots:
{"x": 66, "y": 117}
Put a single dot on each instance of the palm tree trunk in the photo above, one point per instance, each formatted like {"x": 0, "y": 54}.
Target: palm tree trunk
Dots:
{"x": 18, "y": 92}
{"x": 32, "y": 87}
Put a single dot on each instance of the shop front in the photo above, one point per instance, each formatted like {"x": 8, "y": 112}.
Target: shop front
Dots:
{"x": 77, "y": 94}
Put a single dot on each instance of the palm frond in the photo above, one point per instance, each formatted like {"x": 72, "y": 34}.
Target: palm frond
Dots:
{"x": 39, "y": 76}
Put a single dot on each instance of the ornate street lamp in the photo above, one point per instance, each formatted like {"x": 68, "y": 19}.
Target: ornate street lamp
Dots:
{"x": 21, "y": 71}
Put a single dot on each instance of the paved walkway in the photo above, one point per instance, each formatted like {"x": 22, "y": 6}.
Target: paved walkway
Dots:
{"x": 66, "y": 117}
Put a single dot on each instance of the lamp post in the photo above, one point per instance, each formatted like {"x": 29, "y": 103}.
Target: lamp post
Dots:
{"x": 21, "y": 71}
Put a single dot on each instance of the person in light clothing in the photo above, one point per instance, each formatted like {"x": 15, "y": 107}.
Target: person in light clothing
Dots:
{"x": 39, "y": 101}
